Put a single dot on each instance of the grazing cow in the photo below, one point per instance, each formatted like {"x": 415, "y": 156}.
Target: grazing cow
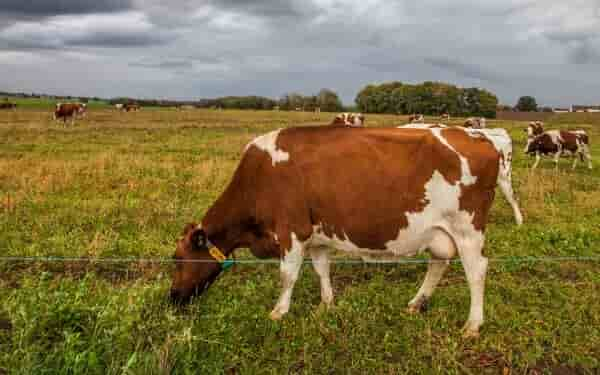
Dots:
{"x": 445, "y": 117}
{"x": 416, "y": 118}
{"x": 69, "y": 110}
{"x": 561, "y": 143}
{"x": 475, "y": 123}
{"x": 378, "y": 193}
{"x": 353, "y": 120}
{"x": 131, "y": 108}
{"x": 8, "y": 105}
{"x": 534, "y": 129}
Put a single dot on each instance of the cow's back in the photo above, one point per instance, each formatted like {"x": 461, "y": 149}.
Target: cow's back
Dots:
{"x": 365, "y": 183}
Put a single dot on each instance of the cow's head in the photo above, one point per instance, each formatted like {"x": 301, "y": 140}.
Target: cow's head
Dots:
{"x": 197, "y": 264}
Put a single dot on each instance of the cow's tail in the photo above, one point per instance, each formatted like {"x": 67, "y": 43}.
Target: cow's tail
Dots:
{"x": 503, "y": 143}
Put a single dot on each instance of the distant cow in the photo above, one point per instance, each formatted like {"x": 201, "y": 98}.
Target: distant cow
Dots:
{"x": 8, "y": 105}
{"x": 119, "y": 106}
{"x": 69, "y": 110}
{"x": 534, "y": 129}
{"x": 377, "y": 193}
{"x": 445, "y": 117}
{"x": 559, "y": 143}
{"x": 416, "y": 118}
{"x": 131, "y": 108}
{"x": 354, "y": 120}
{"x": 475, "y": 123}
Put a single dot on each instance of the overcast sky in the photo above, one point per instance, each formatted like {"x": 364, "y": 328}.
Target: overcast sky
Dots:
{"x": 186, "y": 49}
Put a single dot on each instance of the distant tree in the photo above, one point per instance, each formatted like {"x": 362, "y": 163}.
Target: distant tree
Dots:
{"x": 526, "y": 104}
{"x": 429, "y": 98}
{"x": 328, "y": 101}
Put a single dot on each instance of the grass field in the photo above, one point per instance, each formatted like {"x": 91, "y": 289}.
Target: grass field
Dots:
{"x": 124, "y": 185}
{"x": 48, "y": 104}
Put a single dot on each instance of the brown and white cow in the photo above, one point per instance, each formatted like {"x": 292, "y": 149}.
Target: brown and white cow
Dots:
{"x": 354, "y": 120}
{"x": 377, "y": 193}
{"x": 8, "y": 105}
{"x": 475, "y": 123}
{"x": 534, "y": 129}
{"x": 69, "y": 110}
{"x": 131, "y": 108}
{"x": 416, "y": 118}
{"x": 559, "y": 143}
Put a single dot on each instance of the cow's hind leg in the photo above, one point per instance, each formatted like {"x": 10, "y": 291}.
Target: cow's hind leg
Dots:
{"x": 290, "y": 269}
{"x": 475, "y": 265}
{"x": 506, "y": 187}
{"x": 320, "y": 259}
{"x": 442, "y": 249}
{"x": 586, "y": 154}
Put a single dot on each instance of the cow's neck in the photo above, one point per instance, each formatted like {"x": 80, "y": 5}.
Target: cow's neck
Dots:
{"x": 225, "y": 222}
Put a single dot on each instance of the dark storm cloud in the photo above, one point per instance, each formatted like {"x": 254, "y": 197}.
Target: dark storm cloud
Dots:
{"x": 46, "y": 8}
{"x": 200, "y": 48}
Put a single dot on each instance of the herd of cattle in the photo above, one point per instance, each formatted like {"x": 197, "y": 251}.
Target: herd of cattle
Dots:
{"x": 377, "y": 193}
{"x": 554, "y": 143}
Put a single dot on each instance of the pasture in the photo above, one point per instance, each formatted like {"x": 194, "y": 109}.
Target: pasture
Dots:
{"x": 125, "y": 184}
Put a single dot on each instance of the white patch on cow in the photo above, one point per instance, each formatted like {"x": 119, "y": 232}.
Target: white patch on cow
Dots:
{"x": 555, "y": 136}
{"x": 268, "y": 143}
{"x": 466, "y": 177}
{"x": 442, "y": 211}
{"x": 421, "y": 126}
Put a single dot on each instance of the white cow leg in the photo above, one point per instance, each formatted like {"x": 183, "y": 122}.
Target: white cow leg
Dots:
{"x": 435, "y": 270}
{"x": 290, "y": 269}
{"x": 507, "y": 189}
{"x": 557, "y": 158}
{"x": 537, "y": 160}
{"x": 576, "y": 159}
{"x": 475, "y": 265}
{"x": 320, "y": 258}
{"x": 586, "y": 153}
{"x": 442, "y": 249}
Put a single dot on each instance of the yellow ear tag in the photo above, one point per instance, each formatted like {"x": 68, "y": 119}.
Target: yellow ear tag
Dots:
{"x": 217, "y": 254}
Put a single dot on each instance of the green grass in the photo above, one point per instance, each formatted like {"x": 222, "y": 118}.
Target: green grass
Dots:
{"x": 125, "y": 184}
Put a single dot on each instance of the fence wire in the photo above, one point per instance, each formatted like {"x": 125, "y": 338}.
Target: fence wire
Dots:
{"x": 57, "y": 259}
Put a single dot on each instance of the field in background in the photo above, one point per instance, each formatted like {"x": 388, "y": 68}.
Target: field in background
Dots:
{"x": 124, "y": 185}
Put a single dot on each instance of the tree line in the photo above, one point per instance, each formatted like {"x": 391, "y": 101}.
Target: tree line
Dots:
{"x": 428, "y": 98}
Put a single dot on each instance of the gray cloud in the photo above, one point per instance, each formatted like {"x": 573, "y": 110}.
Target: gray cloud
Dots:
{"x": 46, "y": 8}
{"x": 199, "y": 48}
{"x": 463, "y": 69}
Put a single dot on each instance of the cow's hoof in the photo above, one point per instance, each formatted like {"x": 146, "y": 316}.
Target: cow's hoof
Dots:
{"x": 470, "y": 334}
{"x": 418, "y": 307}
{"x": 471, "y": 330}
{"x": 276, "y": 315}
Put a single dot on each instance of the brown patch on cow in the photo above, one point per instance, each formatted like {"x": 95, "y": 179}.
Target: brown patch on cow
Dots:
{"x": 482, "y": 158}
{"x": 569, "y": 141}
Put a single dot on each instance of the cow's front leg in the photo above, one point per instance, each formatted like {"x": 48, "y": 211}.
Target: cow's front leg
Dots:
{"x": 537, "y": 160}
{"x": 290, "y": 269}
{"x": 557, "y": 157}
{"x": 320, "y": 259}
